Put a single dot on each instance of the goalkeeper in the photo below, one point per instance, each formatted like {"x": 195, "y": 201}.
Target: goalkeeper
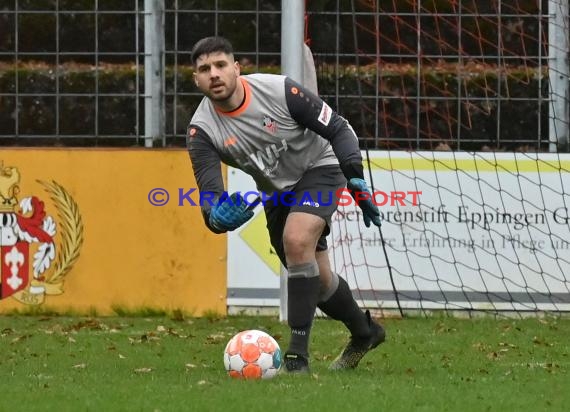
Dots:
{"x": 288, "y": 140}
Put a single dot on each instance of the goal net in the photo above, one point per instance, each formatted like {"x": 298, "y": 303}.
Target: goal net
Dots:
{"x": 467, "y": 102}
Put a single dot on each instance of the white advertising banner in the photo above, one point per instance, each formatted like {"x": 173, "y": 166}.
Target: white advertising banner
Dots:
{"x": 462, "y": 230}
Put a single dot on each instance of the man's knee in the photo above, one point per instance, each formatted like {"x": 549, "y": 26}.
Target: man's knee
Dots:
{"x": 300, "y": 237}
{"x": 297, "y": 243}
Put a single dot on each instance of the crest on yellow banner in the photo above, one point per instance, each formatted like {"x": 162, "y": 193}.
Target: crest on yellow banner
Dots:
{"x": 36, "y": 250}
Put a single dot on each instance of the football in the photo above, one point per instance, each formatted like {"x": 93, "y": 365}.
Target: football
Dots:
{"x": 252, "y": 354}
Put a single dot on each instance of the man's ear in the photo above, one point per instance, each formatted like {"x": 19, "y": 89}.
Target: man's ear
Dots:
{"x": 195, "y": 79}
{"x": 237, "y": 68}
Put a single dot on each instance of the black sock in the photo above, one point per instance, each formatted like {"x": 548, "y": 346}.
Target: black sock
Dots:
{"x": 302, "y": 297}
{"x": 342, "y": 306}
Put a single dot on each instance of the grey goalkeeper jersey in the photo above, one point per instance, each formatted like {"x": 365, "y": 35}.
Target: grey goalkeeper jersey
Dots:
{"x": 280, "y": 131}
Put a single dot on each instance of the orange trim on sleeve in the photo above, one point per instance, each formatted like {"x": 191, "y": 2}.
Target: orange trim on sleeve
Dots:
{"x": 244, "y": 105}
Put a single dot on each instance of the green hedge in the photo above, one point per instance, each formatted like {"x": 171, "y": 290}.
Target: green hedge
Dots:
{"x": 439, "y": 110}
{"x": 116, "y": 32}
{"x": 398, "y": 111}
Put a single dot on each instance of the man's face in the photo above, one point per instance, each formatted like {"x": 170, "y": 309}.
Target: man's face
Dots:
{"x": 216, "y": 75}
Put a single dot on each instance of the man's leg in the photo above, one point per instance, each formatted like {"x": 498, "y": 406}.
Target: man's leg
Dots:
{"x": 300, "y": 236}
{"x": 336, "y": 299}
{"x": 337, "y": 302}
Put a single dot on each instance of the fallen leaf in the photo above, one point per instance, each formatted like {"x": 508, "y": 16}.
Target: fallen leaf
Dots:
{"x": 215, "y": 338}
{"x": 20, "y": 338}
{"x": 6, "y": 331}
{"x": 90, "y": 324}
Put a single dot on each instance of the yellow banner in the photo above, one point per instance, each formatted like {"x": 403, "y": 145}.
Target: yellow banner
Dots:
{"x": 103, "y": 230}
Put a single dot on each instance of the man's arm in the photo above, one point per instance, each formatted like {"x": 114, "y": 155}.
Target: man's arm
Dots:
{"x": 207, "y": 170}
{"x": 310, "y": 111}
{"x": 221, "y": 213}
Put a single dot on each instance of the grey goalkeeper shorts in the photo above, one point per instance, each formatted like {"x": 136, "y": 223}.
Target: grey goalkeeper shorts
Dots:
{"x": 315, "y": 193}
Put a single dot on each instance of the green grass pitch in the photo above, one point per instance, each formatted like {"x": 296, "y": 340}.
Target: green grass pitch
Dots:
{"x": 162, "y": 364}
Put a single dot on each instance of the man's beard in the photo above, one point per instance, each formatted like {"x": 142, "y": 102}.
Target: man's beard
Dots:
{"x": 220, "y": 98}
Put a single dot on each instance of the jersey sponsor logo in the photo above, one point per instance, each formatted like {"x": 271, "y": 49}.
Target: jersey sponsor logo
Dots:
{"x": 325, "y": 114}
{"x": 269, "y": 124}
{"x": 267, "y": 160}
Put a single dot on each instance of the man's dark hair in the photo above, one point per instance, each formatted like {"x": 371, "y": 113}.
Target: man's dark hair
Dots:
{"x": 214, "y": 44}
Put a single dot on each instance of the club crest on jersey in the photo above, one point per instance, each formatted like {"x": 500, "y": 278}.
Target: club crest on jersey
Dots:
{"x": 36, "y": 253}
{"x": 269, "y": 124}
